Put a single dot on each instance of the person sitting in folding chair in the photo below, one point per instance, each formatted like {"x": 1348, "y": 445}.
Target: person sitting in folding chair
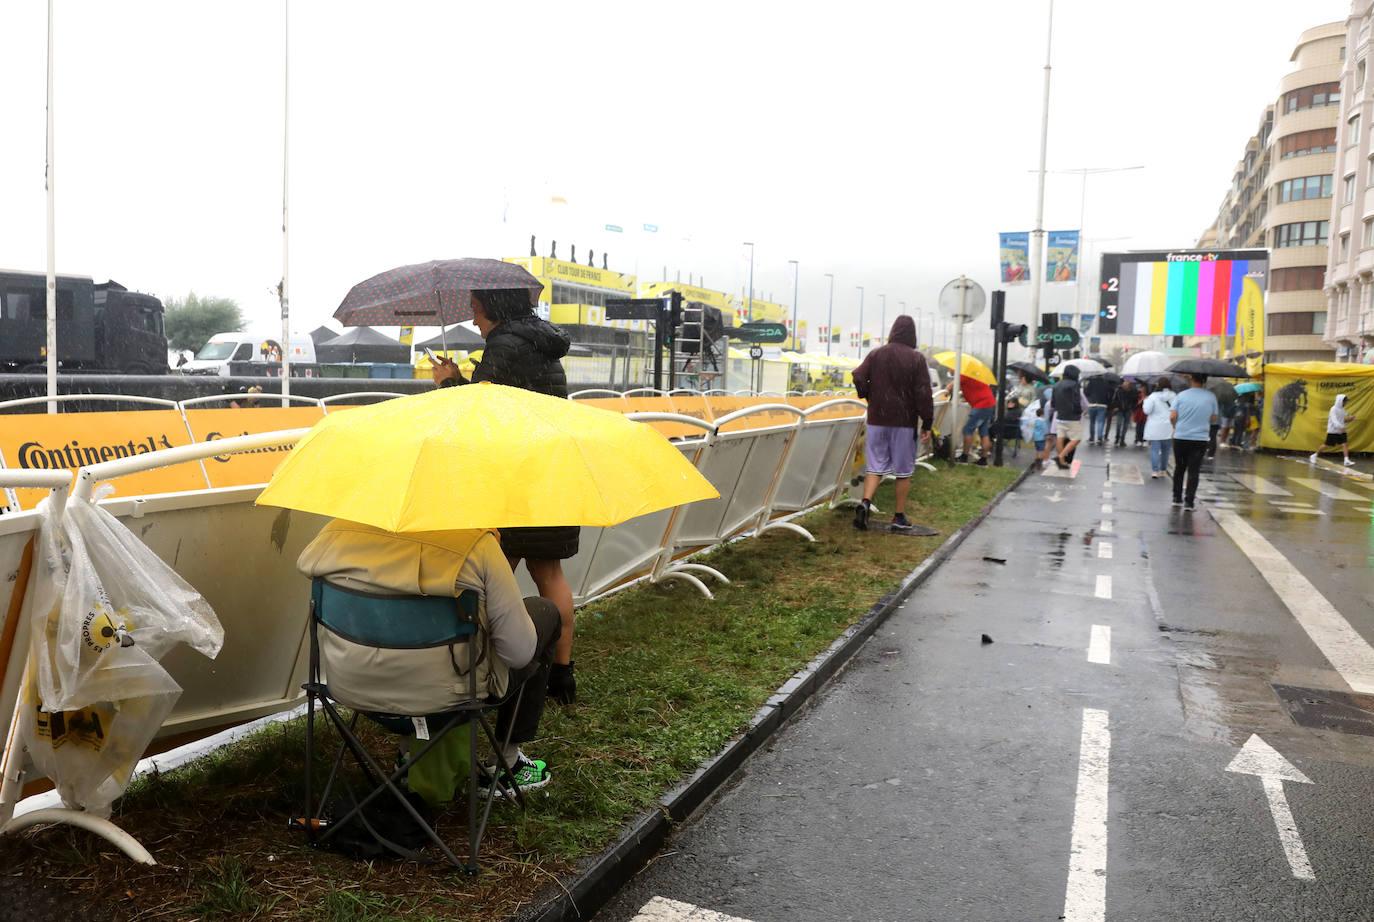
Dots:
{"x": 381, "y": 632}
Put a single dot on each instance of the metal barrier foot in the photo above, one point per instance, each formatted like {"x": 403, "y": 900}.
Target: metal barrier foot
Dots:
{"x": 101, "y": 827}
{"x": 788, "y": 526}
{"x": 686, "y": 578}
{"x": 704, "y": 570}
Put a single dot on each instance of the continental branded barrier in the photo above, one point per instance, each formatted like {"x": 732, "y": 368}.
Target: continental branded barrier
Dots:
{"x": 70, "y": 440}
{"x": 256, "y": 466}
{"x": 1298, "y": 398}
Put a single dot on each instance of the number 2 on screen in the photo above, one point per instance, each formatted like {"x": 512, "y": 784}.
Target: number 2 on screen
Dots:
{"x": 1113, "y": 284}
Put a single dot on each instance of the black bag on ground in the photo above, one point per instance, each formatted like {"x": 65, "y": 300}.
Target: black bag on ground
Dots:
{"x": 382, "y": 818}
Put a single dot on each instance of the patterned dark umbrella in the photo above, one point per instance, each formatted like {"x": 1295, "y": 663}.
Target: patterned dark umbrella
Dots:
{"x": 436, "y": 293}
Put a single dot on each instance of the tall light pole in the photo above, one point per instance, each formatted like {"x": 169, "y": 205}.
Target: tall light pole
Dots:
{"x": 751, "y": 281}
{"x": 50, "y": 321}
{"x": 861, "y": 319}
{"x": 901, "y": 306}
{"x": 796, "y": 275}
{"x": 830, "y": 315}
{"x": 285, "y": 295}
{"x": 882, "y": 317}
{"x": 1084, "y": 172}
{"x": 1038, "y": 235}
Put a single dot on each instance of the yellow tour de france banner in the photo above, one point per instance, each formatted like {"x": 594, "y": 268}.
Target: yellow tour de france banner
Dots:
{"x": 1298, "y": 398}
{"x": 1249, "y": 341}
{"x": 72, "y": 440}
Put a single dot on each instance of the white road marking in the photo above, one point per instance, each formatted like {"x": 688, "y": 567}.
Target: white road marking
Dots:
{"x": 1104, "y": 550}
{"x": 1126, "y": 473}
{"x": 662, "y": 909}
{"x": 1259, "y": 758}
{"x": 1106, "y": 494}
{"x": 1104, "y": 586}
{"x": 1327, "y": 489}
{"x": 1260, "y": 485}
{"x": 1085, "y": 899}
{"x": 1100, "y": 645}
{"x": 1340, "y": 643}
{"x": 1106, "y": 508}
{"x": 1107, "y": 526}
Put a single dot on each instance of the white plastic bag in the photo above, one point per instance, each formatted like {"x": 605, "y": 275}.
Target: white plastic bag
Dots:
{"x": 103, "y": 609}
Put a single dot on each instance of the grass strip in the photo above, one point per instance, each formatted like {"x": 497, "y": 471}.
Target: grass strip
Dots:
{"x": 665, "y": 678}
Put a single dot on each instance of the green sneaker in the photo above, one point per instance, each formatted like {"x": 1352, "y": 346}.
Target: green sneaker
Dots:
{"x": 530, "y": 775}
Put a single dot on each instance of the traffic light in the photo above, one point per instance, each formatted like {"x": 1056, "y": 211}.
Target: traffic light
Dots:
{"x": 1014, "y": 331}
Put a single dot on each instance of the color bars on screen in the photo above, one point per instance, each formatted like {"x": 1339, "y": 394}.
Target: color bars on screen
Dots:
{"x": 1176, "y": 294}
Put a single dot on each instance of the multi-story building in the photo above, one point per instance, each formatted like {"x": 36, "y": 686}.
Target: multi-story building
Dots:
{"x": 1350, "y": 256}
{"x": 1281, "y": 196}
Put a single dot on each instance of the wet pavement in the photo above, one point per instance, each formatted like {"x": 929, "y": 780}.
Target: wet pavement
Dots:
{"x": 1077, "y": 767}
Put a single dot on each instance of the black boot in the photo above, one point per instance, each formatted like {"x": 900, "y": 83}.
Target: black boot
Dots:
{"x": 562, "y": 683}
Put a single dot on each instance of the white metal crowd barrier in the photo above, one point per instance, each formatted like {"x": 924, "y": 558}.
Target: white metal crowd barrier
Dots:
{"x": 241, "y": 557}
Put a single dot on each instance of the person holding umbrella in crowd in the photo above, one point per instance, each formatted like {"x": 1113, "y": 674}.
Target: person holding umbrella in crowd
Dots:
{"x": 1159, "y": 429}
{"x": 1194, "y": 413}
{"x": 522, "y": 350}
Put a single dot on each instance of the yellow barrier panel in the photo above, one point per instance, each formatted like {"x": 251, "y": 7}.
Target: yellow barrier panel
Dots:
{"x": 252, "y": 467}
{"x": 1298, "y": 397}
{"x": 37, "y": 441}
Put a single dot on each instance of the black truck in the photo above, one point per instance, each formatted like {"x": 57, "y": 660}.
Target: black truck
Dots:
{"x": 100, "y": 328}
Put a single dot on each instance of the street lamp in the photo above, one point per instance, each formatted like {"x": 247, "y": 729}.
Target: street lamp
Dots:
{"x": 882, "y": 317}
{"x": 796, "y": 274}
{"x": 750, "y": 311}
{"x": 830, "y": 316}
{"x": 861, "y": 318}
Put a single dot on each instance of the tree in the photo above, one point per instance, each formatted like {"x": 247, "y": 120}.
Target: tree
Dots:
{"x": 192, "y": 320}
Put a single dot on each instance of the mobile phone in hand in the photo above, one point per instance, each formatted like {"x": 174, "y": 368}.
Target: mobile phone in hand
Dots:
{"x": 433, "y": 359}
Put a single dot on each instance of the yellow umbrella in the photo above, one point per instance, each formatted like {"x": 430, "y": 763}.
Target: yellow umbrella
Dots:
{"x": 483, "y": 456}
{"x": 972, "y": 367}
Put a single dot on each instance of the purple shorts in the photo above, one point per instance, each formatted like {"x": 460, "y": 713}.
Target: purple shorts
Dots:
{"x": 890, "y": 450}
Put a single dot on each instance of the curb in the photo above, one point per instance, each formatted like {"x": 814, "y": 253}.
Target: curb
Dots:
{"x": 645, "y": 837}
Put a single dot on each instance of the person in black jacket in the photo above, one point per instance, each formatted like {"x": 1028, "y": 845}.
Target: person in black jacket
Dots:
{"x": 1068, "y": 410}
{"x": 524, "y": 351}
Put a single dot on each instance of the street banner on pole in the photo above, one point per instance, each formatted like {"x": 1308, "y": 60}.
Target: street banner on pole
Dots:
{"x": 835, "y": 335}
{"x": 1249, "y": 341}
{"x": 1061, "y": 256}
{"x": 1014, "y": 254}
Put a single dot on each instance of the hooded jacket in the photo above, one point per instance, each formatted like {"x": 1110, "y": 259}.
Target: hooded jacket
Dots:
{"x": 895, "y": 381}
{"x": 1335, "y": 420}
{"x": 1068, "y": 400}
{"x": 525, "y": 353}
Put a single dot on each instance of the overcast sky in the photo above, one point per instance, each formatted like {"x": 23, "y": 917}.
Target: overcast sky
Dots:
{"x": 886, "y": 143}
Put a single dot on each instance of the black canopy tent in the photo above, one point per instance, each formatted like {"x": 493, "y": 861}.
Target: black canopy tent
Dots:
{"x": 362, "y": 344}
{"x": 322, "y": 334}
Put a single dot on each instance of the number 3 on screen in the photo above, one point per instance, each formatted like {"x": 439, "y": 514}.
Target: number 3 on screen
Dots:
{"x": 1111, "y": 311}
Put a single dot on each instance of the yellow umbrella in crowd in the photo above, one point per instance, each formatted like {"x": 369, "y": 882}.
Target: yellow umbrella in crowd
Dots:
{"x": 972, "y": 367}
{"x": 483, "y": 456}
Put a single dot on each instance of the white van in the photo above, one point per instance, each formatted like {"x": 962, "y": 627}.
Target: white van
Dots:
{"x": 264, "y": 348}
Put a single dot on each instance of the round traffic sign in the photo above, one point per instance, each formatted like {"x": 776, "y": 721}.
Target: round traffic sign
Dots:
{"x": 962, "y": 299}
{"x": 756, "y": 352}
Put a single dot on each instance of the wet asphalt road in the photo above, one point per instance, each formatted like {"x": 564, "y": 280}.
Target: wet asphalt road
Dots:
{"x": 941, "y": 778}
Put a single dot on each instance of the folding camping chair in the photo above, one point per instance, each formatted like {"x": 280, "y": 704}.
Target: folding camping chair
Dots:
{"x": 398, "y": 623}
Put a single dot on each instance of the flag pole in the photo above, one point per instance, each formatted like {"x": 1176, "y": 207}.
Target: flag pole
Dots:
{"x": 285, "y": 294}
{"x": 51, "y": 316}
